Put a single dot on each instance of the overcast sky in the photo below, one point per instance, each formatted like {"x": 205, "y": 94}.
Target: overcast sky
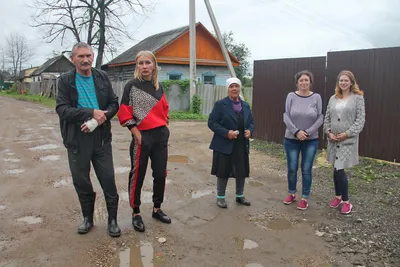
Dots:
{"x": 269, "y": 28}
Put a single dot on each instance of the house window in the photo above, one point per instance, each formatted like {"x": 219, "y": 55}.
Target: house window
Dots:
{"x": 174, "y": 75}
{"x": 209, "y": 78}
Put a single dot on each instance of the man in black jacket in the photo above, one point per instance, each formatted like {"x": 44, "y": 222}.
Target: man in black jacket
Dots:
{"x": 85, "y": 104}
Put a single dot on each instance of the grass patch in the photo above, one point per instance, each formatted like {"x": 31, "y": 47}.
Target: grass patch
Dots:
{"x": 185, "y": 115}
{"x": 370, "y": 170}
{"x": 269, "y": 148}
{"x": 50, "y": 102}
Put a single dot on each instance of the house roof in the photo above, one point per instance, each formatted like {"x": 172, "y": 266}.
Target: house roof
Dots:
{"x": 46, "y": 65}
{"x": 155, "y": 43}
{"x": 22, "y": 73}
{"x": 152, "y": 43}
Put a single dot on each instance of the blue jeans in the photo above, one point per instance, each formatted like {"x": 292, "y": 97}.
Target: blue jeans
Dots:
{"x": 308, "y": 149}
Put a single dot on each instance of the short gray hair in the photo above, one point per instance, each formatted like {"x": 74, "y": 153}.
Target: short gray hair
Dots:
{"x": 80, "y": 45}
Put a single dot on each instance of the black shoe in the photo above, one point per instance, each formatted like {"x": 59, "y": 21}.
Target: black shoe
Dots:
{"x": 161, "y": 216}
{"x": 221, "y": 203}
{"x": 243, "y": 201}
{"x": 85, "y": 226}
{"x": 138, "y": 224}
{"x": 113, "y": 228}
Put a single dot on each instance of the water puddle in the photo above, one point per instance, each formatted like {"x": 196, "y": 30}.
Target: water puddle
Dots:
{"x": 12, "y": 160}
{"x": 255, "y": 184}
{"x": 44, "y": 147}
{"x": 142, "y": 255}
{"x": 63, "y": 182}
{"x": 247, "y": 244}
{"x": 199, "y": 194}
{"x": 2, "y": 207}
{"x": 178, "y": 159}
{"x": 51, "y": 158}
{"x": 122, "y": 169}
{"x": 279, "y": 224}
{"x": 15, "y": 171}
{"x": 30, "y": 219}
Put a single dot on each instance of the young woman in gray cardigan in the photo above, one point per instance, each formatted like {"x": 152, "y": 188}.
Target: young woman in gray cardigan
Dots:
{"x": 344, "y": 120}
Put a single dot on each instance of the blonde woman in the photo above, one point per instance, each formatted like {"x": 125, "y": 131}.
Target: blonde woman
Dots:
{"x": 344, "y": 120}
{"x": 144, "y": 111}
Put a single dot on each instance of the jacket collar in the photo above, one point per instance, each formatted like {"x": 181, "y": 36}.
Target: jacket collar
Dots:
{"x": 246, "y": 111}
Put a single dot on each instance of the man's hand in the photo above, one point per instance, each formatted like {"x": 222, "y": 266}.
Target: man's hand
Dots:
{"x": 99, "y": 116}
{"x": 247, "y": 134}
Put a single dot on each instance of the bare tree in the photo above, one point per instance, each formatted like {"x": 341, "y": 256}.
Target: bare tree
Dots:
{"x": 17, "y": 52}
{"x": 98, "y": 22}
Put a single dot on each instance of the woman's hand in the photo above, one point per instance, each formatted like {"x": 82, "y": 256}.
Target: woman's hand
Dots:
{"x": 333, "y": 137}
{"x": 342, "y": 136}
{"x": 247, "y": 134}
{"x": 302, "y": 135}
{"x": 232, "y": 135}
{"x": 138, "y": 136}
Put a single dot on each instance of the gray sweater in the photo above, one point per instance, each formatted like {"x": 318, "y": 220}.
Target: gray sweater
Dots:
{"x": 303, "y": 113}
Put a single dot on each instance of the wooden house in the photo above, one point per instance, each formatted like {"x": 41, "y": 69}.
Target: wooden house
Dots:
{"x": 172, "y": 51}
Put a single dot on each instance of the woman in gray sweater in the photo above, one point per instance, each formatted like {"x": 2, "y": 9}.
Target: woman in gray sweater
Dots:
{"x": 344, "y": 120}
{"x": 303, "y": 116}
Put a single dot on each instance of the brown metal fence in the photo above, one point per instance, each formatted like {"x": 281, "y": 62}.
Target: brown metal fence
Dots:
{"x": 376, "y": 73}
{"x": 273, "y": 80}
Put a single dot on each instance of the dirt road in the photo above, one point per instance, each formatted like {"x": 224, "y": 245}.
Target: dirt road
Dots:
{"x": 39, "y": 209}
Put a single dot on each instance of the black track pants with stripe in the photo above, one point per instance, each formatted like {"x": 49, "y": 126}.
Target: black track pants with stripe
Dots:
{"x": 154, "y": 146}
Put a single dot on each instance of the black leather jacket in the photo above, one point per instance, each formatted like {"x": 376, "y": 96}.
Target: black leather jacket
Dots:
{"x": 72, "y": 117}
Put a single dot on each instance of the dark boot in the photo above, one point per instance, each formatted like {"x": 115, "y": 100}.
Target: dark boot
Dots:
{"x": 221, "y": 203}
{"x": 112, "y": 208}
{"x": 243, "y": 201}
{"x": 87, "y": 206}
{"x": 138, "y": 224}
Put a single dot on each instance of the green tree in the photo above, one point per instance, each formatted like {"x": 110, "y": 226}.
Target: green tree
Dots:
{"x": 240, "y": 51}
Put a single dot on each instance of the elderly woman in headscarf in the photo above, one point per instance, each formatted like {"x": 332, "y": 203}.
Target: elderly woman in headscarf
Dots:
{"x": 232, "y": 123}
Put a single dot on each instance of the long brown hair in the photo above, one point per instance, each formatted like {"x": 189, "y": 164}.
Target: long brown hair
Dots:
{"x": 137, "y": 74}
{"x": 353, "y": 87}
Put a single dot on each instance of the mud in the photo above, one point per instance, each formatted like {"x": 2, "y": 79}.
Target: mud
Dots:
{"x": 267, "y": 233}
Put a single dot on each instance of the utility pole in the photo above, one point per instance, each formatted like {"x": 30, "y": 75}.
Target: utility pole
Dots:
{"x": 192, "y": 37}
{"x": 220, "y": 39}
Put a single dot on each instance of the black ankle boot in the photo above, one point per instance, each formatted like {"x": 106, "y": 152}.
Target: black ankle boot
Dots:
{"x": 138, "y": 224}
{"x": 243, "y": 201}
{"x": 221, "y": 203}
{"x": 87, "y": 205}
{"x": 112, "y": 208}
{"x": 161, "y": 216}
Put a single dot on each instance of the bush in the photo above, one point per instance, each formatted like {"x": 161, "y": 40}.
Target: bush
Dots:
{"x": 196, "y": 104}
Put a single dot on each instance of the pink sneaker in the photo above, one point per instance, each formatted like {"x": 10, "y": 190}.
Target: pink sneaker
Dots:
{"x": 346, "y": 208}
{"x": 335, "y": 203}
{"x": 302, "y": 205}
{"x": 289, "y": 199}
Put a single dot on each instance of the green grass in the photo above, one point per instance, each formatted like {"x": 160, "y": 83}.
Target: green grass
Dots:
{"x": 186, "y": 115}
{"x": 50, "y": 102}
{"x": 270, "y": 148}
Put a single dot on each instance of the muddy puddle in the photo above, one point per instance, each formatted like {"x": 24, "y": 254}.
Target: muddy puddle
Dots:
{"x": 142, "y": 255}
{"x": 30, "y": 220}
{"x": 178, "y": 159}
{"x": 279, "y": 224}
{"x": 44, "y": 147}
{"x": 12, "y": 160}
{"x": 247, "y": 244}
{"x": 122, "y": 169}
{"x": 15, "y": 171}
{"x": 50, "y": 158}
{"x": 64, "y": 182}
{"x": 199, "y": 194}
{"x": 255, "y": 183}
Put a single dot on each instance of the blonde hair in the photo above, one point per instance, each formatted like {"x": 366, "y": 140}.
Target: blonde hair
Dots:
{"x": 137, "y": 74}
{"x": 353, "y": 88}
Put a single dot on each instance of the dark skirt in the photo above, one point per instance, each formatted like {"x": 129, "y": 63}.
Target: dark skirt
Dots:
{"x": 235, "y": 165}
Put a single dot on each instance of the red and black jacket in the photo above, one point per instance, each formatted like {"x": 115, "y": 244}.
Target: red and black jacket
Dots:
{"x": 143, "y": 106}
